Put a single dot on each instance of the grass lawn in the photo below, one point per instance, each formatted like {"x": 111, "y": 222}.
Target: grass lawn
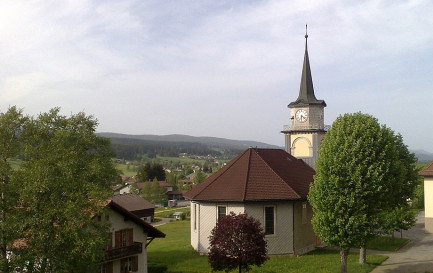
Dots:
{"x": 166, "y": 212}
{"x": 385, "y": 243}
{"x": 124, "y": 169}
{"x": 177, "y": 254}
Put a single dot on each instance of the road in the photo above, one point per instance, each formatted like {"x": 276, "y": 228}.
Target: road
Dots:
{"x": 416, "y": 256}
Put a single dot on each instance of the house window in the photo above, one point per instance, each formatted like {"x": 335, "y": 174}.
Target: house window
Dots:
{"x": 304, "y": 213}
{"x": 222, "y": 211}
{"x": 269, "y": 220}
{"x": 129, "y": 264}
{"x": 106, "y": 268}
{"x": 123, "y": 238}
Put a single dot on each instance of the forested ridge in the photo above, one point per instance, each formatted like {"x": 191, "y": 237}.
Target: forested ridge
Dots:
{"x": 132, "y": 149}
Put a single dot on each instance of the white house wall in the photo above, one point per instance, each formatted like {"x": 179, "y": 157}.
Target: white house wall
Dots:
{"x": 206, "y": 214}
{"x": 206, "y": 217}
{"x": 118, "y": 223}
{"x": 428, "y": 203}
{"x": 282, "y": 241}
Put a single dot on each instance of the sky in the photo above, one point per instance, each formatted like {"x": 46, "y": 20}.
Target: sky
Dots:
{"x": 219, "y": 68}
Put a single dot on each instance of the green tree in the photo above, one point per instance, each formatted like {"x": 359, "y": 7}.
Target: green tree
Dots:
{"x": 146, "y": 192}
{"x": 158, "y": 192}
{"x": 64, "y": 181}
{"x": 199, "y": 177}
{"x": 354, "y": 181}
{"x": 171, "y": 178}
{"x": 402, "y": 218}
{"x": 148, "y": 172}
{"x": 396, "y": 214}
{"x": 11, "y": 129}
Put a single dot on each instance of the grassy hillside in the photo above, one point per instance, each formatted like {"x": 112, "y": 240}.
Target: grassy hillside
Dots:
{"x": 176, "y": 253}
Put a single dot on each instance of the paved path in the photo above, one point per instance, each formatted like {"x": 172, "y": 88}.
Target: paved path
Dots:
{"x": 416, "y": 256}
{"x": 162, "y": 222}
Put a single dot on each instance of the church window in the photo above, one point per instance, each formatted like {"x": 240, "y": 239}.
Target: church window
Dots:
{"x": 304, "y": 213}
{"x": 222, "y": 211}
{"x": 269, "y": 220}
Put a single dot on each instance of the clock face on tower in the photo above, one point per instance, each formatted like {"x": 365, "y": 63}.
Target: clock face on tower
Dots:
{"x": 301, "y": 115}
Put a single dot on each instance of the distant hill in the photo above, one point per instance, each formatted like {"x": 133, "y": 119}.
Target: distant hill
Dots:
{"x": 423, "y": 156}
{"x": 171, "y": 145}
{"x": 133, "y": 147}
{"x": 214, "y": 141}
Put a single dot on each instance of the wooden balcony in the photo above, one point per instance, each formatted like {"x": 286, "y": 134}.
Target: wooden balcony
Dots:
{"x": 121, "y": 252}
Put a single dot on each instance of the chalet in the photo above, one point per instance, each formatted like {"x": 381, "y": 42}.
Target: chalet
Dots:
{"x": 135, "y": 204}
{"x": 130, "y": 236}
{"x": 268, "y": 184}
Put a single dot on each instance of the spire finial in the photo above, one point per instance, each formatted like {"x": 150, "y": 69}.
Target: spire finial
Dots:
{"x": 306, "y": 33}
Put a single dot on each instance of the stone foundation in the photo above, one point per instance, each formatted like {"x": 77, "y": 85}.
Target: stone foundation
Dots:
{"x": 428, "y": 224}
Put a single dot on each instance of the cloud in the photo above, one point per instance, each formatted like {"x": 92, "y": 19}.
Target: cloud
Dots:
{"x": 221, "y": 68}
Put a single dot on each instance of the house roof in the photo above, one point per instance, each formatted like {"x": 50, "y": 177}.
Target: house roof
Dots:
{"x": 132, "y": 202}
{"x": 147, "y": 228}
{"x": 174, "y": 192}
{"x": 427, "y": 171}
{"x": 161, "y": 183}
{"x": 257, "y": 174}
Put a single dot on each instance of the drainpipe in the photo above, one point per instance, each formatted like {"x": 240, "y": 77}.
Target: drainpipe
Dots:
{"x": 293, "y": 224}
{"x": 198, "y": 222}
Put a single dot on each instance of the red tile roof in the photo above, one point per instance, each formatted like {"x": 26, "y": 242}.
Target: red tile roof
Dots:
{"x": 428, "y": 171}
{"x": 257, "y": 174}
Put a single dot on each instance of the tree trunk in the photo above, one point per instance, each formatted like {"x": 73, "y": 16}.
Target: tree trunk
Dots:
{"x": 362, "y": 255}
{"x": 343, "y": 260}
{"x": 240, "y": 269}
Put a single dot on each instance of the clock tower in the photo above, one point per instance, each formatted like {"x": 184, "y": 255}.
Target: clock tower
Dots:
{"x": 306, "y": 129}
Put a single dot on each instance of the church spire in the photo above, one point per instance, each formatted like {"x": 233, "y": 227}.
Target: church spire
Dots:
{"x": 306, "y": 90}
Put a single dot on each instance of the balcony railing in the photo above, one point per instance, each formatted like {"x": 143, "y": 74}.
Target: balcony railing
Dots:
{"x": 293, "y": 127}
{"x": 120, "y": 252}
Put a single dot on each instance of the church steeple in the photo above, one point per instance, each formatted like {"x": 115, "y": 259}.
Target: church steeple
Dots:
{"x": 306, "y": 90}
{"x": 307, "y": 128}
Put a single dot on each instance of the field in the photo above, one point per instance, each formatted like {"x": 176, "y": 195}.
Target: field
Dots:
{"x": 176, "y": 253}
{"x": 386, "y": 243}
{"x": 166, "y": 212}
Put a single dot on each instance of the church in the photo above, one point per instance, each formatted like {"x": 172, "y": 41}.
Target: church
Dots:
{"x": 270, "y": 185}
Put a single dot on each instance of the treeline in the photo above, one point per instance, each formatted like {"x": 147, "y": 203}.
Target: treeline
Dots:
{"x": 134, "y": 149}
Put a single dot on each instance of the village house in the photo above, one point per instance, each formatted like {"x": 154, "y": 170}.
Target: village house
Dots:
{"x": 127, "y": 250}
{"x": 427, "y": 173}
{"x": 135, "y": 204}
